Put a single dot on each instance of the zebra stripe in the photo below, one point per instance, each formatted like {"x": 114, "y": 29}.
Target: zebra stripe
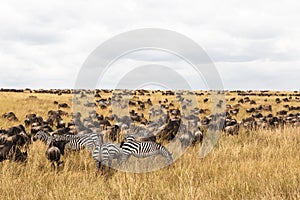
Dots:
{"x": 143, "y": 149}
{"x": 44, "y": 137}
{"x": 106, "y": 153}
{"x": 97, "y": 138}
{"x": 65, "y": 137}
{"x": 78, "y": 144}
{"x": 129, "y": 138}
{"x": 88, "y": 141}
{"x": 73, "y": 142}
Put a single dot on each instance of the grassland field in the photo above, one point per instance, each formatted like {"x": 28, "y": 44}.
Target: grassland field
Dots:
{"x": 260, "y": 164}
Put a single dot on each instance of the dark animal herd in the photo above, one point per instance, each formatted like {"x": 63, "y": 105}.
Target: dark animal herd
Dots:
{"x": 12, "y": 140}
{"x": 103, "y": 135}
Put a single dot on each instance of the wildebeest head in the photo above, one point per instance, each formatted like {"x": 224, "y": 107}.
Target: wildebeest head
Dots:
{"x": 17, "y": 155}
{"x": 25, "y": 137}
{"x": 18, "y": 140}
{"x": 15, "y": 130}
{"x": 20, "y": 156}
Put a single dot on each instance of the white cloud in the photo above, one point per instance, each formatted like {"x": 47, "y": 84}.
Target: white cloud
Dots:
{"x": 43, "y": 44}
{"x": 259, "y": 75}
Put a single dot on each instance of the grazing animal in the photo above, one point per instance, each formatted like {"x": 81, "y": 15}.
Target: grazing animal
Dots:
{"x": 232, "y": 130}
{"x": 83, "y": 141}
{"x": 53, "y": 155}
{"x": 138, "y": 149}
{"x": 146, "y": 139}
{"x": 53, "y": 152}
{"x": 15, "y": 130}
{"x": 50, "y": 140}
{"x": 63, "y": 105}
{"x": 43, "y": 136}
{"x": 9, "y": 148}
{"x": 10, "y": 116}
{"x": 198, "y": 136}
{"x": 106, "y": 153}
{"x": 16, "y": 155}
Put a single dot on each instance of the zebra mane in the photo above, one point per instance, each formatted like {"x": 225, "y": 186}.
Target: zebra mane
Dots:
{"x": 129, "y": 138}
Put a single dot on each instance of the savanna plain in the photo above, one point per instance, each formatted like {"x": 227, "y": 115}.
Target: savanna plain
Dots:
{"x": 254, "y": 164}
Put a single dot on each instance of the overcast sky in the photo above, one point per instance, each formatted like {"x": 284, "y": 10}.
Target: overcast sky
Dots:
{"x": 254, "y": 44}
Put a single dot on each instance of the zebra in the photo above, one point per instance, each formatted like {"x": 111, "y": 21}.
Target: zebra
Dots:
{"x": 129, "y": 138}
{"x": 51, "y": 140}
{"x": 65, "y": 137}
{"x": 143, "y": 149}
{"x": 83, "y": 141}
{"x": 44, "y": 137}
{"x": 106, "y": 153}
{"x": 68, "y": 137}
{"x": 70, "y": 142}
{"x": 53, "y": 152}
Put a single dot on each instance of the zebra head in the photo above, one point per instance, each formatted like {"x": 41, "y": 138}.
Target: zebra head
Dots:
{"x": 39, "y": 135}
{"x": 68, "y": 147}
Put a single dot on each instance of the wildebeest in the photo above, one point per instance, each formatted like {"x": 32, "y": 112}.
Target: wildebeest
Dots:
{"x": 111, "y": 133}
{"x": 10, "y": 116}
{"x": 63, "y": 105}
{"x": 282, "y": 112}
{"x": 257, "y": 115}
{"x": 232, "y": 130}
{"x": 9, "y": 148}
{"x": 32, "y": 118}
{"x": 198, "y": 136}
{"x": 50, "y": 140}
{"x": 234, "y": 111}
{"x": 250, "y": 110}
{"x": 15, "y": 130}
{"x": 169, "y": 130}
{"x": 53, "y": 155}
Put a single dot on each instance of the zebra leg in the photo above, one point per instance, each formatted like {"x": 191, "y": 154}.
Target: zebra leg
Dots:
{"x": 97, "y": 166}
{"x": 109, "y": 162}
{"x": 107, "y": 167}
{"x": 119, "y": 160}
{"x": 103, "y": 166}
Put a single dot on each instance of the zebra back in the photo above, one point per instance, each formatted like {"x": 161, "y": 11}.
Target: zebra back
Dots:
{"x": 65, "y": 137}
{"x": 107, "y": 152}
{"x": 88, "y": 141}
{"x": 144, "y": 149}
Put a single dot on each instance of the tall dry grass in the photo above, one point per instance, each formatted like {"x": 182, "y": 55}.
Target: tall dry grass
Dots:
{"x": 263, "y": 164}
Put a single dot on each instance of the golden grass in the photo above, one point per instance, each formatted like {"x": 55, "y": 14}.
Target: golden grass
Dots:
{"x": 264, "y": 164}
